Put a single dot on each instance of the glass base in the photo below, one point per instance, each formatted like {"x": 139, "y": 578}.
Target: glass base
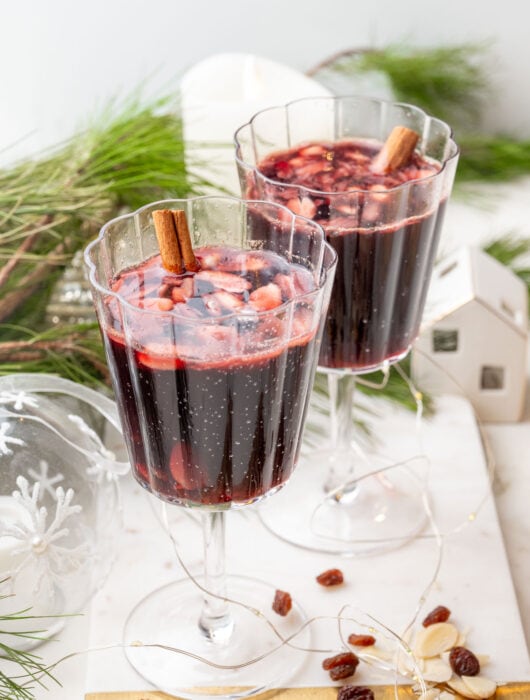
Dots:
{"x": 169, "y": 616}
{"x": 375, "y": 514}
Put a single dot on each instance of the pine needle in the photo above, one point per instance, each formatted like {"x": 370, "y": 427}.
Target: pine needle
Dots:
{"x": 138, "y": 155}
{"x": 74, "y": 352}
{"x": 448, "y": 81}
{"x": 492, "y": 158}
{"x": 51, "y": 206}
{"x": 396, "y": 390}
{"x": 451, "y": 83}
{"x": 30, "y": 670}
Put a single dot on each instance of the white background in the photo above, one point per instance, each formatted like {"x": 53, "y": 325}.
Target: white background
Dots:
{"x": 61, "y": 60}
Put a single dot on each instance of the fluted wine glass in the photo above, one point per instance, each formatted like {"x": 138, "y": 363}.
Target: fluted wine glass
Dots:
{"x": 317, "y": 157}
{"x": 212, "y": 371}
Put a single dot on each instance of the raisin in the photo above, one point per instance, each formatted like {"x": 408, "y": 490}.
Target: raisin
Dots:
{"x": 345, "y": 657}
{"x": 341, "y": 665}
{"x": 355, "y": 692}
{"x": 331, "y": 577}
{"x": 282, "y": 603}
{"x": 361, "y": 640}
{"x": 464, "y": 662}
{"x": 340, "y": 672}
{"x": 439, "y": 614}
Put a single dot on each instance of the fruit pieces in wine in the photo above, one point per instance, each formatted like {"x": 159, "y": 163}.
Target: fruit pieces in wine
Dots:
{"x": 214, "y": 389}
{"x": 384, "y": 228}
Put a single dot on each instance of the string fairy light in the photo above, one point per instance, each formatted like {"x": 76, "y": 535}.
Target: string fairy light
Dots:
{"x": 400, "y": 660}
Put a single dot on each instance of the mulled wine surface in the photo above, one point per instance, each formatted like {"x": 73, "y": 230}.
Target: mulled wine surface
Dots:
{"x": 385, "y": 236}
{"x": 211, "y": 390}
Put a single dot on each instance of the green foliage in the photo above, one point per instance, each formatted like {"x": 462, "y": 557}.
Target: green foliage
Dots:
{"x": 71, "y": 351}
{"x": 445, "y": 81}
{"x": 136, "y": 153}
{"x": 395, "y": 390}
{"x": 492, "y": 158}
{"x": 450, "y": 82}
{"x": 51, "y": 206}
{"x": 30, "y": 671}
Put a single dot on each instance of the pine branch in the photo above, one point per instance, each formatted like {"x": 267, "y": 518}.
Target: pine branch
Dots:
{"x": 451, "y": 83}
{"x": 492, "y": 158}
{"x": 29, "y": 284}
{"x": 132, "y": 155}
{"x": 29, "y": 240}
{"x": 447, "y": 81}
{"x": 52, "y": 205}
{"x": 20, "y": 686}
{"x": 396, "y": 390}
{"x": 74, "y": 352}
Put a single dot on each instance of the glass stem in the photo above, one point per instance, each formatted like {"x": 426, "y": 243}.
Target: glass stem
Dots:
{"x": 341, "y": 389}
{"x": 215, "y": 622}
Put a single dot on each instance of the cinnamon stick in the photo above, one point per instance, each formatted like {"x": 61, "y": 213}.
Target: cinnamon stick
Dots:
{"x": 168, "y": 241}
{"x": 181, "y": 225}
{"x": 174, "y": 241}
{"x": 396, "y": 151}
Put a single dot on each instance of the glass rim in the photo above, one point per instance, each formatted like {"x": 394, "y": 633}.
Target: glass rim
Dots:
{"x": 335, "y": 98}
{"x": 210, "y": 320}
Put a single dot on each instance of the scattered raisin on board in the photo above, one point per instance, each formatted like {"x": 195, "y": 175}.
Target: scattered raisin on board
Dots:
{"x": 361, "y": 640}
{"x": 345, "y": 657}
{"x": 464, "y": 662}
{"x": 282, "y": 603}
{"x": 340, "y": 672}
{"x": 341, "y": 665}
{"x": 439, "y": 614}
{"x": 331, "y": 577}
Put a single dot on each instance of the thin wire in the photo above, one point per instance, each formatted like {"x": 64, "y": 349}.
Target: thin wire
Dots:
{"x": 385, "y": 370}
{"x": 138, "y": 644}
{"x": 398, "y": 639}
{"x": 435, "y": 532}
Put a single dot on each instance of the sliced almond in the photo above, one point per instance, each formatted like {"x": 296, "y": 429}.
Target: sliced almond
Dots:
{"x": 456, "y": 683}
{"x": 436, "y": 670}
{"x": 446, "y": 695}
{"x": 481, "y": 687}
{"x": 435, "y": 639}
{"x": 405, "y": 664}
{"x": 376, "y": 654}
{"x": 462, "y": 638}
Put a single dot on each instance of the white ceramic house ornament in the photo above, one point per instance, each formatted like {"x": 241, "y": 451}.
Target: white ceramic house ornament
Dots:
{"x": 474, "y": 335}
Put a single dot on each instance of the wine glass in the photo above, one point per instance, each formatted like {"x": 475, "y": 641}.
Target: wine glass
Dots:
{"x": 317, "y": 157}
{"x": 212, "y": 372}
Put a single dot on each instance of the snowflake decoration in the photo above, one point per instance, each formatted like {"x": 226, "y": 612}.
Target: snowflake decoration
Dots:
{"x": 46, "y": 483}
{"x": 38, "y": 540}
{"x": 19, "y": 399}
{"x": 6, "y": 440}
{"x": 97, "y": 470}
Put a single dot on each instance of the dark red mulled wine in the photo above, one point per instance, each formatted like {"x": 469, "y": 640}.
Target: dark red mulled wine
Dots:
{"x": 385, "y": 230}
{"x": 213, "y": 391}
